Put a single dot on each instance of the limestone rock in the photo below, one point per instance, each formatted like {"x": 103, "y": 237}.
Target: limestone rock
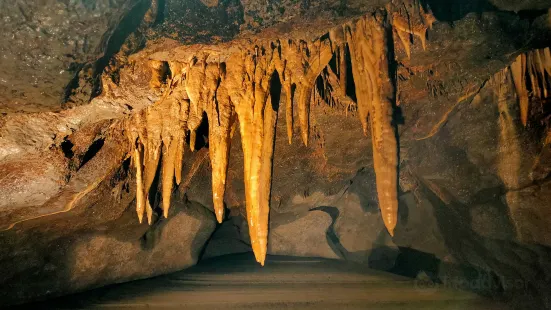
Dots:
{"x": 170, "y": 245}
{"x": 305, "y": 235}
{"x": 121, "y": 251}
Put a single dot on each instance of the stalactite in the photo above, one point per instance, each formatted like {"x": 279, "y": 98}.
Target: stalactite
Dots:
{"x": 171, "y": 133}
{"x": 140, "y": 205}
{"x": 135, "y": 136}
{"x": 509, "y": 145}
{"x": 414, "y": 22}
{"x": 342, "y": 69}
{"x": 376, "y": 94}
{"x": 518, "y": 70}
{"x": 532, "y": 77}
{"x": 252, "y": 71}
{"x": 304, "y": 63}
{"x": 220, "y": 115}
{"x": 240, "y": 87}
{"x": 288, "y": 88}
{"x": 184, "y": 112}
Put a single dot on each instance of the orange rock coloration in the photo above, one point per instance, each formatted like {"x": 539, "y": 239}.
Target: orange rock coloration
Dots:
{"x": 532, "y": 76}
{"x": 241, "y": 83}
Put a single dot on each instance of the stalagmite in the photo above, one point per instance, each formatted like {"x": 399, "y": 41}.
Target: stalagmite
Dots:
{"x": 376, "y": 94}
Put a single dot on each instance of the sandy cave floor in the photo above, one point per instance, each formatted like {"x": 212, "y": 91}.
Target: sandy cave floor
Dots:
{"x": 238, "y": 282}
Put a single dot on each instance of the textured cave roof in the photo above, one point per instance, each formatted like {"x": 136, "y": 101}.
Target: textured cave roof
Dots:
{"x": 50, "y": 47}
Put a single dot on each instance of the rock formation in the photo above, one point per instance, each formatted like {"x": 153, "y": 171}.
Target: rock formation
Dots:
{"x": 243, "y": 85}
{"x": 448, "y": 163}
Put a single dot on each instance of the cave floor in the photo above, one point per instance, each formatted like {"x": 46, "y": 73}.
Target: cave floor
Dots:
{"x": 238, "y": 282}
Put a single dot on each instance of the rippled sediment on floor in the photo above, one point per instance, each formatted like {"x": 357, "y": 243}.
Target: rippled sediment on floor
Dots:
{"x": 237, "y": 282}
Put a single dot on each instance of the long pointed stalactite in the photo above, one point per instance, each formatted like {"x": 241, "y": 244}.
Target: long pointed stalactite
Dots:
{"x": 237, "y": 85}
{"x": 376, "y": 94}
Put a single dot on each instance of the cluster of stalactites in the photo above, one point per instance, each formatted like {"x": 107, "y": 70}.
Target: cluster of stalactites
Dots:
{"x": 411, "y": 20}
{"x": 532, "y": 77}
{"x": 240, "y": 89}
{"x": 158, "y": 133}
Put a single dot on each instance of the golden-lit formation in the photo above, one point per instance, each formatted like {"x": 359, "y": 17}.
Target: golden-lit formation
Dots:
{"x": 529, "y": 73}
{"x": 415, "y": 24}
{"x": 240, "y": 86}
{"x": 376, "y": 95}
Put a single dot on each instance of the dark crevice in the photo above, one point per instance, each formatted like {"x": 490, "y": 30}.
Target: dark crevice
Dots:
{"x": 411, "y": 262}
{"x": 201, "y": 133}
{"x": 153, "y": 195}
{"x": 531, "y": 15}
{"x": 73, "y": 84}
{"x": 275, "y": 91}
{"x": 350, "y": 85}
{"x": 333, "y": 63}
{"x": 122, "y": 173}
{"x": 92, "y": 151}
{"x": 112, "y": 44}
{"x": 161, "y": 7}
{"x": 163, "y": 73}
{"x": 67, "y": 148}
{"x": 332, "y": 238}
{"x": 349, "y": 88}
{"x": 454, "y": 10}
